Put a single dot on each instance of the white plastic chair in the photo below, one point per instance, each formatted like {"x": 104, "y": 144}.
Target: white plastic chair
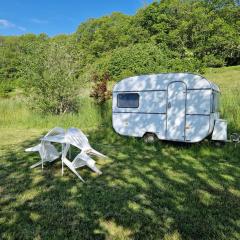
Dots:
{"x": 47, "y": 151}
{"x": 78, "y": 139}
{"x": 73, "y": 136}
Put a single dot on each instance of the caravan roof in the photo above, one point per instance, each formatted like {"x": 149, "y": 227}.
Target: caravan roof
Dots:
{"x": 161, "y": 81}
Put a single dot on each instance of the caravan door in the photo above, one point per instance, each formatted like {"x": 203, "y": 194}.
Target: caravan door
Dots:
{"x": 176, "y": 111}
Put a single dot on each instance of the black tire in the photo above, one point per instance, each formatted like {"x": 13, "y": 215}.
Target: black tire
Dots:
{"x": 150, "y": 138}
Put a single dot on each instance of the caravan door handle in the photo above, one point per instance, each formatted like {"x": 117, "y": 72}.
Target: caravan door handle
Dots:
{"x": 169, "y": 105}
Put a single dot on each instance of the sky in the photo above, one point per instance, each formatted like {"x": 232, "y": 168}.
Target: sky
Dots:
{"x": 57, "y": 16}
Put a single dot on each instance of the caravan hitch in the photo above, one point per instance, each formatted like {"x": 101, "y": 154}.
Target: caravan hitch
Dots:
{"x": 235, "y": 138}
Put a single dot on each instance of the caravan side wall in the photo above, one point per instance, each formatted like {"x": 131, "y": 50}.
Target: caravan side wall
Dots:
{"x": 149, "y": 113}
{"x": 150, "y": 116}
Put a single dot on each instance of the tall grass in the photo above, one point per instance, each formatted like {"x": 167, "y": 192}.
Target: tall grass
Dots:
{"x": 228, "y": 79}
{"x": 16, "y": 114}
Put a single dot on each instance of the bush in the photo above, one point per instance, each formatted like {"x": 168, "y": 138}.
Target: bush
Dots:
{"x": 5, "y": 88}
{"x": 213, "y": 61}
{"x": 99, "y": 92}
{"x": 145, "y": 58}
{"x": 51, "y": 82}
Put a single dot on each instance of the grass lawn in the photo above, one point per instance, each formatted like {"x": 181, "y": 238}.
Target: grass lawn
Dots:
{"x": 147, "y": 191}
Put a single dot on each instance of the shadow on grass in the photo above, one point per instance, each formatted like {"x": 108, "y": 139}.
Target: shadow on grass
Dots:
{"x": 146, "y": 192}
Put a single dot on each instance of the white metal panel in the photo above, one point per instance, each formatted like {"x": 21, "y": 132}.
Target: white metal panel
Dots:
{"x": 220, "y": 130}
{"x": 114, "y": 102}
{"x": 176, "y": 111}
{"x": 198, "y": 101}
{"x": 153, "y": 101}
{"x": 197, "y": 127}
{"x": 161, "y": 82}
{"x": 136, "y": 124}
{"x": 149, "y": 102}
{"x": 213, "y": 117}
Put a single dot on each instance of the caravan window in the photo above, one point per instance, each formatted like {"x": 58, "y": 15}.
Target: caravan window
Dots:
{"x": 215, "y": 102}
{"x": 128, "y": 100}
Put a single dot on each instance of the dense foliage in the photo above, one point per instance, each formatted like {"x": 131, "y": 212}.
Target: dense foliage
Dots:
{"x": 51, "y": 74}
{"x": 165, "y": 36}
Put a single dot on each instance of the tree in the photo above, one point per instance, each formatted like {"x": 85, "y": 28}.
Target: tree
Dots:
{"x": 51, "y": 82}
{"x": 209, "y": 29}
{"x": 145, "y": 58}
{"x": 107, "y": 33}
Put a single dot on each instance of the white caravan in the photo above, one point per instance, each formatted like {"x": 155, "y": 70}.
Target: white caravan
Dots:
{"x": 171, "y": 106}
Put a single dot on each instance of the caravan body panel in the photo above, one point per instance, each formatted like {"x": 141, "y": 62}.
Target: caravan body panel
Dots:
{"x": 175, "y": 106}
{"x": 176, "y": 111}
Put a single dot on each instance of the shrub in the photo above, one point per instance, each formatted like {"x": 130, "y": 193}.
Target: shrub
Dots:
{"x": 145, "y": 58}
{"x": 99, "y": 92}
{"x": 51, "y": 82}
{"x": 213, "y": 61}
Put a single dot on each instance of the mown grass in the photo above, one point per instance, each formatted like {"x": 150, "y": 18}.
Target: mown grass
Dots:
{"x": 146, "y": 191}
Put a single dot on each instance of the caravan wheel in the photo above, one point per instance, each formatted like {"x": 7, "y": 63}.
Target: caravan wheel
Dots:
{"x": 150, "y": 137}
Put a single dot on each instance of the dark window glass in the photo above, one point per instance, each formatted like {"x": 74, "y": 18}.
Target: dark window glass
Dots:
{"x": 128, "y": 100}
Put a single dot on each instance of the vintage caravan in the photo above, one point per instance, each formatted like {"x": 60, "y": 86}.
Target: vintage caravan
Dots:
{"x": 172, "y": 106}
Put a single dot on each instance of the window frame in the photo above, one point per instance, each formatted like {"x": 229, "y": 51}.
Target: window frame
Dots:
{"x": 138, "y": 100}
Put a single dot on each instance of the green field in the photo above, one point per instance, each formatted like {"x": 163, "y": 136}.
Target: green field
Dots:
{"x": 147, "y": 191}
